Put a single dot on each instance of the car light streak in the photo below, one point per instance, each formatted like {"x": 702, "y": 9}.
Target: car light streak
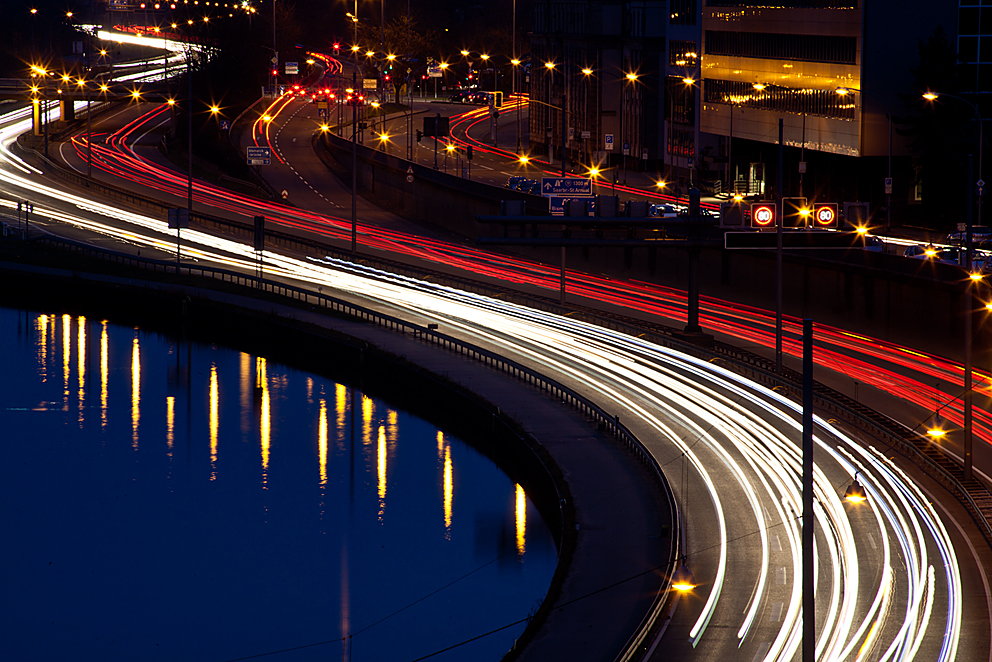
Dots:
{"x": 737, "y": 423}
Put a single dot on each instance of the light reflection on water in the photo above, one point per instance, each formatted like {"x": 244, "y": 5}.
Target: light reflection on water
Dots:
{"x": 211, "y": 491}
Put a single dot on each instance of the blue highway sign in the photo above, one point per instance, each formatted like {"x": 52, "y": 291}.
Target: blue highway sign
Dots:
{"x": 259, "y": 156}
{"x": 566, "y": 186}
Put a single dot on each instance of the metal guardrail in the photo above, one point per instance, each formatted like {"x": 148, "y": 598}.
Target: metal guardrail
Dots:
{"x": 606, "y": 421}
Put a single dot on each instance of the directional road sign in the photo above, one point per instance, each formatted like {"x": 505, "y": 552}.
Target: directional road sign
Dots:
{"x": 292, "y": 68}
{"x": 571, "y": 187}
{"x": 259, "y": 156}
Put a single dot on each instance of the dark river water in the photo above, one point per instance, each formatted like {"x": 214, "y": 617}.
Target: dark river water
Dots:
{"x": 168, "y": 500}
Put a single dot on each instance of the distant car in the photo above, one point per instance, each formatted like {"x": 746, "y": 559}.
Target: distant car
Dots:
{"x": 513, "y": 182}
{"x": 978, "y": 233}
{"x": 531, "y": 186}
{"x": 945, "y": 255}
{"x": 461, "y": 96}
{"x": 874, "y": 244}
{"x": 663, "y": 211}
{"x": 915, "y": 251}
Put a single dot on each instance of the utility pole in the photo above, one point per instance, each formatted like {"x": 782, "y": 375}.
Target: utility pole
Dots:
{"x": 778, "y": 254}
{"x": 354, "y": 159}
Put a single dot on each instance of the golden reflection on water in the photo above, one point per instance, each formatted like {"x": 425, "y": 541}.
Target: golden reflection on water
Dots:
{"x": 135, "y": 392}
{"x": 521, "y": 511}
{"x": 266, "y": 423}
{"x": 341, "y": 409}
{"x": 170, "y": 422}
{"x": 322, "y": 442}
{"x": 440, "y": 445}
{"x": 448, "y": 492}
{"x": 214, "y": 420}
{"x": 104, "y": 352}
{"x": 81, "y": 366}
{"x": 381, "y": 466}
{"x": 368, "y": 409}
{"x": 66, "y": 357}
{"x": 245, "y": 390}
{"x": 43, "y": 347}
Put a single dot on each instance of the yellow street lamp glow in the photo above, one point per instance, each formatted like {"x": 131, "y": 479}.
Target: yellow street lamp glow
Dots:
{"x": 103, "y": 51}
{"x": 34, "y": 11}
{"x": 514, "y": 61}
{"x": 758, "y": 86}
{"x": 930, "y": 96}
{"x": 930, "y": 251}
{"x": 266, "y": 118}
{"x": 311, "y": 61}
{"x": 449, "y": 147}
{"x": 171, "y": 102}
{"x": 324, "y": 128}
{"x": 549, "y": 65}
{"x": 682, "y": 580}
{"x": 214, "y": 109}
{"x": 484, "y": 56}
{"x": 135, "y": 94}
{"x": 356, "y": 48}
{"x": 631, "y": 76}
{"x": 390, "y": 57}
{"x": 464, "y": 53}
{"x": 855, "y": 493}
{"x": 369, "y": 53}
{"x": 738, "y": 197}
{"x": 661, "y": 183}
{"x": 842, "y": 91}
{"x": 524, "y": 159}
{"x": 587, "y": 71}
{"x": 976, "y": 276}
{"x": 806, "y": 212}
{"x": 443, "y": 65}
{"x": 66, "y": 78}
{"x": 375, "y": 104}
{"x": 34, "y": 88}
{"x": 936, "y": 432}
{"x": 206, "y": 19}
{"x": 988, "y": 306}
{"x": 104, "y": 88}
{"x": 688, "y": 80}
{"x": 594, "y": 171}
{"x": 861, "y": 230}
{"x": 68, "y": 14}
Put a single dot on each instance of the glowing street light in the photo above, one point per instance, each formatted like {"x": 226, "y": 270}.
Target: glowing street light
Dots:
{"x": 682, "y": 580}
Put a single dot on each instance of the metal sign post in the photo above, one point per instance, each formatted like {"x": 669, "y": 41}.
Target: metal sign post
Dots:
{"x": 178, "y": 219}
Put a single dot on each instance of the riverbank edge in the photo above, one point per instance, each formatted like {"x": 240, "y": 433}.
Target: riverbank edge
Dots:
{"x": 93, "y": 286}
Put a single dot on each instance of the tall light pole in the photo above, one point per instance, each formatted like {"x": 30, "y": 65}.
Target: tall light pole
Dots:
{"x": 888, "y": 187}
{"x": 631, "y": 77}
{"x": 550, "y": 66}
{"x": 516, "y": 63}
{"x": 968, "y": 439}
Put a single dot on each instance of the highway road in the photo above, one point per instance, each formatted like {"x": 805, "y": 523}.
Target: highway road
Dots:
{"x": 890, "y": 573}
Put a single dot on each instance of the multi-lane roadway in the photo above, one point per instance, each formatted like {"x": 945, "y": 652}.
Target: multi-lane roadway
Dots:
{"x": 893, "y": 575}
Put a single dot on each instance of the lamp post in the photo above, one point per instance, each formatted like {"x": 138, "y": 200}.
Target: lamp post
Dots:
{"x": 631, "y": 77}
{"x": 516, "y": 63}
{"x": 550, "y": 68}
{"x": 888, "y": 188}
{"x": 968, "y": 317}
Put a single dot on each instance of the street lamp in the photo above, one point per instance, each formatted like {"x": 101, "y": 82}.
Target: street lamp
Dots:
{"x": 968, "y": 307}
{"x": 843, "y": 91}
{"x": 631, "y": 77}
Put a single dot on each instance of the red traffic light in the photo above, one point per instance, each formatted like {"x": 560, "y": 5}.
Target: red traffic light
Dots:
{"x": 825, "y": 215}
{"x": 763, "y": 215}
{"x": 337, "y": 46}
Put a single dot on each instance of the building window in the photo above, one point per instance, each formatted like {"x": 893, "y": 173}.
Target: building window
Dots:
{"x": 683, "y": 12}
{"x": 785, "y": 4}
{"x": 824, "y": 103}
{"x": 806, "y": 48}
{"x": 682, "y": 53}
{"x": 681, "y": 101}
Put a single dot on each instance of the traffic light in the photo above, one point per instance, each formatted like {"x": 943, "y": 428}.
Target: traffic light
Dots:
{"x": 795, "y": 213}
{"x": 336, "y": 48}
{"x": 420, "y": 135}
{"x": 825, "y": 215}
{"x": 763, "y": 214}
{"x": 495, "y": 114}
